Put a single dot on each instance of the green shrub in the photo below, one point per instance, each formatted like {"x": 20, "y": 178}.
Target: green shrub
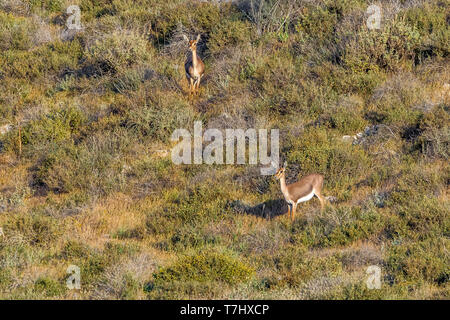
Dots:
{"x": 203, "y": 267}
{"x": 192, "y": 238}
{"x": 339, "y": 226}
{"x": 434, "y": 140}
{"x": 116, "y": 250}
{"x": 317, "y": 22}
{"x": 200, "y": 17}
{"x": 348, "y": 120}
{"x": 360, "y": 291}
{"x": 92, "y": 267}
{"x": 32, "y": 64}
{"x": 247, "y": 71}
{"x": 49, "y": 287}
{"x": 159, "y": 122}
{"x": 182, "y": 214}
{"x": 228, "y": 33}
{"x": 75, "y": 250}
{"x": 97, "y": 112}
{"x": 293, "y": 267}
{"x": 419, "y": 261}
{"x": 47, "y": 5}
{"x": 98, "y": 8}
{"x": 134, "y": 233}
{"x": 130, "y": 80}
{"x": 342, "y": 163}
{"x": 55, "y": 127}
{"x": 93, "y": 165}
{"x": 130, "y": 287}
{"x": 115, "y": 52}
{"x": 184, "y": 290}
{"x": 36, "y": 229}
{"x": 391, "y": 48}
{"x": 15, "y": 32}
{"x": 431, "y": 23}
{"x": 5, "y": 278}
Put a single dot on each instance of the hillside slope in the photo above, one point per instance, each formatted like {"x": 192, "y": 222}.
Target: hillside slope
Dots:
{"x": 86, "y": 176}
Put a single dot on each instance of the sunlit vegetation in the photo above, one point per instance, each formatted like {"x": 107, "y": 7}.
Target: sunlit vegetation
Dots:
{"x": 92, "y": 184}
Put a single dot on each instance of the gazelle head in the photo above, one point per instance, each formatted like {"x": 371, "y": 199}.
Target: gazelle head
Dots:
{"x": 192, "y": 43}
{"x": 280, "y": 172}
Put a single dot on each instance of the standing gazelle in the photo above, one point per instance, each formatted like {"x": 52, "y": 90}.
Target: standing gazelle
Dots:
{"x": 300, "y": 191}
{"x": 194, "y": 67}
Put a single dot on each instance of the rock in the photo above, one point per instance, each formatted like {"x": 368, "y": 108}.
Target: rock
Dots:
{"x": 69, "y": 34}
{"x": 368, "y": 131}
{"x": 125, "y": 169}
{"x": 347, "y": 138}
{"x": 161, "y": 153}
{"x": 5, "y": 129}
{"x": 362, "y": 137}
{"x": 331, "y": 199}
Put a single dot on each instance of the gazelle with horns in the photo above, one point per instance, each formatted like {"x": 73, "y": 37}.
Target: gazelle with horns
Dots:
{"x": 300, "y": 191}
{"x": 194, "y": 67}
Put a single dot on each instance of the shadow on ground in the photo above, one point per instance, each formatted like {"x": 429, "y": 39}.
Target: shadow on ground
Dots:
{"x": 267, "y": 210}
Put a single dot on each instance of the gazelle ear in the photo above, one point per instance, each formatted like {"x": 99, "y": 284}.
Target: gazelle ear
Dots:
{"x": 198, "y": 37}
{"x": 285, "y": 164}
{"x": 185, "y": 38}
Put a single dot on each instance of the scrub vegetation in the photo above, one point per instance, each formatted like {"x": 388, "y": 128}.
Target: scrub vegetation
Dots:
{"x": 86, "y": 176}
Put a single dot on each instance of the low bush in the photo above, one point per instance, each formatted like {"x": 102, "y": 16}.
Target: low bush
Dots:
{"x": 434, "y": 139}
{"x": 392, "y": 48}
{"x": 94, "y": 184}
{"x": 115, "y": 52}
{"x": 49, "y": 287}
{"x": 337, "y": 227}
{"x": 228, "y": 33}
{"x": 342, "y": 163}
{"x": 94, "y": 165}
{"x": 37, "y": 229}
{"x": 205, "y": 266}
{"x": 15, "y": 32}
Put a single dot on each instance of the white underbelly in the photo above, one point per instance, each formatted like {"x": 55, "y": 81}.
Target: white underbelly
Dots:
{"x": 306, "y": 198}
{"x": 195, "y": 76}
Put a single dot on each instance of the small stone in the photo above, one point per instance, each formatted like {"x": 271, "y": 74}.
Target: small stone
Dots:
{"x": 161, "y": 153}
{"x": 69, "y": 34}
{"x": 347, "y": 138}
{"x": 5, "y": 129}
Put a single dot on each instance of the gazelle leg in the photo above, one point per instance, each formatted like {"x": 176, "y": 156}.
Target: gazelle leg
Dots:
{"x": 321, "y": 199}
{"x": 289, "y": 210}
{"x": 198, "y": 85}
{"x": 294, "y": 209}
{"x": 195, "y": 88}
{"x": 191, "y": 86}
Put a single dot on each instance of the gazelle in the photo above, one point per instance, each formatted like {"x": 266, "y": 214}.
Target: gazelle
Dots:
{"x": 194, "y": 67}
{"x": 300, "y": 191}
